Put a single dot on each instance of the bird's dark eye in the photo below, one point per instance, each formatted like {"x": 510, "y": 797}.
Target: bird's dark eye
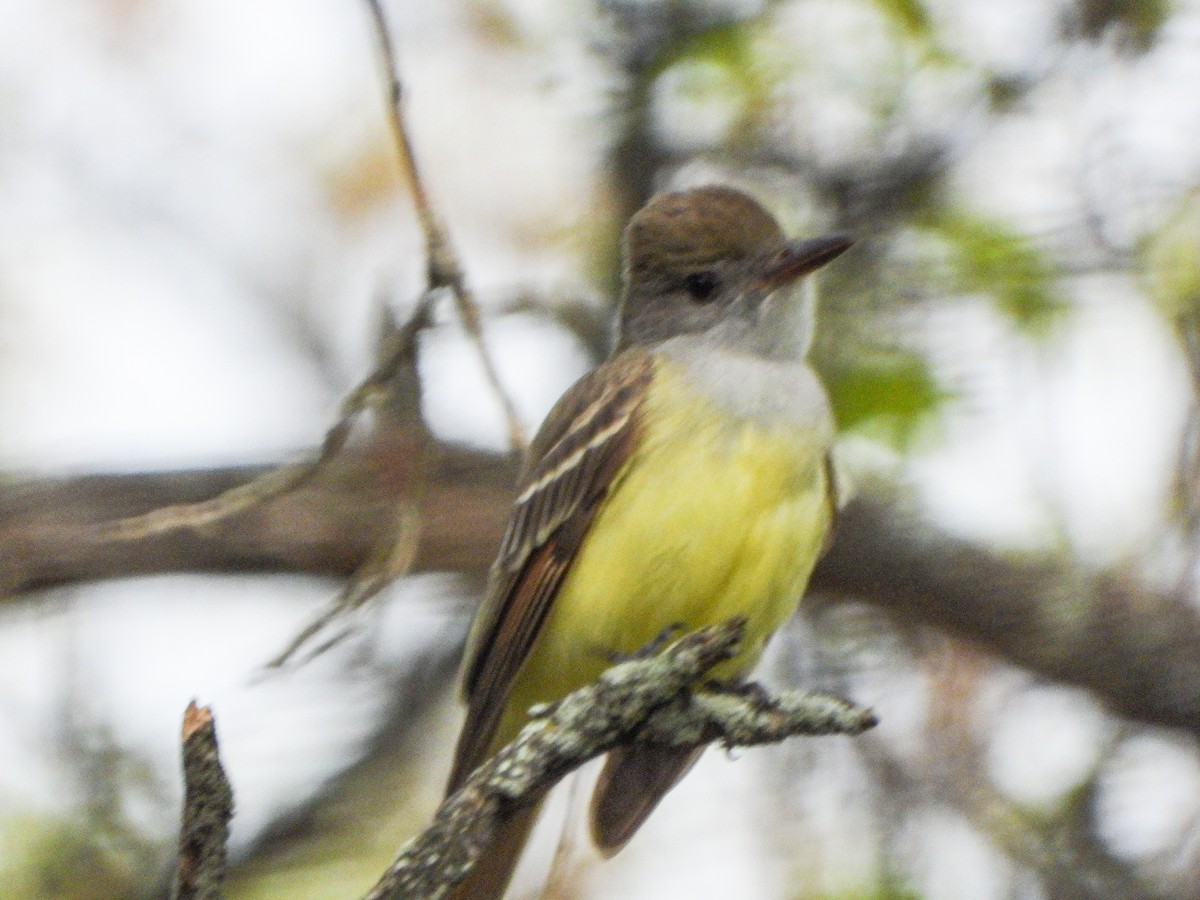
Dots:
{"x": 701, "y": 285}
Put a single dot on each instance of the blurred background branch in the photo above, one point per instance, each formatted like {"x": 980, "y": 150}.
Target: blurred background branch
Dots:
{"x": 1136, "y": 649}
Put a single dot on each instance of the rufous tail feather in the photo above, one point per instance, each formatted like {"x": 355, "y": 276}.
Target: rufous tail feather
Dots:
{"x": 631, "y": 785}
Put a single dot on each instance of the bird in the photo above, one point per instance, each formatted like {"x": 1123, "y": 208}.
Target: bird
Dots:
{"x": 684, "y": 481}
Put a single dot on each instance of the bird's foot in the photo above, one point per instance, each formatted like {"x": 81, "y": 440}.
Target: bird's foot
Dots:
{"x": 656, "y": 646}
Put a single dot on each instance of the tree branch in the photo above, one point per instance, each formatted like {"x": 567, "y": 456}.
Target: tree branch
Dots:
{"x": 327, "y": 527}
{"x": 207, "y": 809}
{"x": 646, "y": 700}
{"x": 1135, "y": 649}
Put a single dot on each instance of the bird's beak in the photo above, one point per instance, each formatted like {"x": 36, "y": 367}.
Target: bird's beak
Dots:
{"x": 798, "y": 258}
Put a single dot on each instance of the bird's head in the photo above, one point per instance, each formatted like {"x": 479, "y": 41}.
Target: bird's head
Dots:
{"x": 713, "y": 261}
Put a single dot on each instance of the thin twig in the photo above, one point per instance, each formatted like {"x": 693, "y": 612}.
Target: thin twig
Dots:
{"x": 267, "y": 486}
{"x": 443, "y": 268}
{"x": 394, "y": 354}
{"x": 389, "y": 560}
{"x": 652, "y": 700}
{"x": 208, "y": 807}
{"x": 392, "y": 389}
{"x": 393, "y": 554}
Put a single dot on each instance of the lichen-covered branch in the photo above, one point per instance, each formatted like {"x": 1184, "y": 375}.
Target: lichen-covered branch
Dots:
{"x": 653, "y": 699}
{"x": 207, "y": 809}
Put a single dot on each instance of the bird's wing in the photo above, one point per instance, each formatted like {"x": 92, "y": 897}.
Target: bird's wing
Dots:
{"x": 632, "y": 783}
{"x": 584, "y": 443}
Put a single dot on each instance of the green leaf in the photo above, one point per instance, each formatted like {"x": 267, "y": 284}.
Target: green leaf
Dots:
{"x": 911, "y": 16}
{"x": 1171, "y": 260}
{"x": 885, "y": 394}
{"x": 727, "y": 44}
{"x": 988, "y": 256}
{"x": 735, "y": 50}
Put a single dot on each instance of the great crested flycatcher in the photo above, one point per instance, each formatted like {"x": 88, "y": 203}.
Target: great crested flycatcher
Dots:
{"x": 684, "y": 481}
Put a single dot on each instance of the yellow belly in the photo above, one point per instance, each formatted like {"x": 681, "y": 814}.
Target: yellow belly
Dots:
{"x": 709, "y": 519}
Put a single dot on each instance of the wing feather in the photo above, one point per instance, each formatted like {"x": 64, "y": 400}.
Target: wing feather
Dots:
{"x": 586, "y": 440}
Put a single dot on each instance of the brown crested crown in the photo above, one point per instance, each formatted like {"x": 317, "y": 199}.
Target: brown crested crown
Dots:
{"x": 687, "y": 230}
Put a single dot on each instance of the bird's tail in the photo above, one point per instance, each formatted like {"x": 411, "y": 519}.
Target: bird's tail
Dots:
{"x": 631, "y": 785}
{"x": 633, "y": 781}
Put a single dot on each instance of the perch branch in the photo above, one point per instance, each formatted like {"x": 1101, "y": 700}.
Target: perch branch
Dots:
{"x": 650, "y": 699}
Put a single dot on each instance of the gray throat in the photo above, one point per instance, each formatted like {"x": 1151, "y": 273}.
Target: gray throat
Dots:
{"x": 756, "y": 369}
{"x": 768, "y": 391}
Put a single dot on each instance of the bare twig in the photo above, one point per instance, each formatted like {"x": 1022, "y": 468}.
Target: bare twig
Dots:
{"x": 395, "y": 354}
{"x": 393, "y": 384}
{"x": 393, "y": 389}
{"x": 647, "y": 700}
{"x": 444, "y": 270}
{"x": 207, "y": 809}
{"x": 389, "y": 560}
{"x": 265, "y": 487}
